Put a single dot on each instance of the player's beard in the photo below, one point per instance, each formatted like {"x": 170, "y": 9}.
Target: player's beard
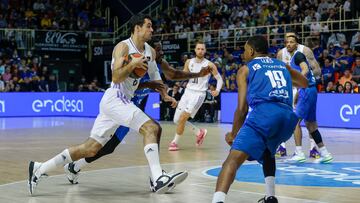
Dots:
{"x": 200, "y": 57}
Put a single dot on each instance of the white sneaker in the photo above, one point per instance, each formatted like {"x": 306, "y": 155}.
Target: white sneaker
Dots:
{"x": 326, "y": 159}
{"x": 167, "y": 182}
{"x": 297, "y": 158}
{"x": 71, "y": 174}
{"x": 33, "y": 179}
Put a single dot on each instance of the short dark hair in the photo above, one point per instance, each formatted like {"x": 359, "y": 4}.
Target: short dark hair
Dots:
{"x": 199, "y": 42}
{"x": 259, "y": 44}
{"x": 138, "y": 20}
{"x": 295, "y": 37}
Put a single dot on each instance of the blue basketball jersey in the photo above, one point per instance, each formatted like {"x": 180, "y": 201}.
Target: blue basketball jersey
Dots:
{"x": 268, "y": 81}
{"x": 140, "y": 94}
{"x": 309, "y": 76}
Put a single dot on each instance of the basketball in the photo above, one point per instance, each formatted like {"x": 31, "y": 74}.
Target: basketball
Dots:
{"x": 138, "y": 72}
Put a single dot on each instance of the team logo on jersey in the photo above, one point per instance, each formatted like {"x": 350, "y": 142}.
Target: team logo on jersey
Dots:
{"x": 256, "y": 66}
{"x": 339, "y": 174}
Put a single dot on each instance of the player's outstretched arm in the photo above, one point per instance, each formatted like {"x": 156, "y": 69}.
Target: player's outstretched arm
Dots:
{"x": 242, "y": 107}
{"x": 297, "y": 78}
{"x": 174, "y": 74}
{"x": 120, "y": 72}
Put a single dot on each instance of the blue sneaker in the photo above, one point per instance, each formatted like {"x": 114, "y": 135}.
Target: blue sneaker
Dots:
{"x": 314, "y": 153}
{"x": 281, "y": 152}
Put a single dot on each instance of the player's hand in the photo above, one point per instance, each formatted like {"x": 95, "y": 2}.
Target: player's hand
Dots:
{"x": 173, "y": 101}
{"x": 205, "y": 71}
{"x": 215, "y": 93}
{"x": 157, "y": 86}
{"x": 229, "y": 138}
{"x": 140, "y": 62}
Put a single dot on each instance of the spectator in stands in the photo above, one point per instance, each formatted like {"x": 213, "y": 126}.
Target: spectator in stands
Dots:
{"x": 339, "y": 88}
{"x": 274, "y": 48}
{"x": 46, "y": 22}
{"x": 2, "y": 84}
{"x": 356, "y": 71}
{"x": 175, "y": 93}
{"x": 327, "y": 72}
{"x": 2, "y": 67}
{"x": 53, "y": 84}
{"x": 330, "y": 88}
{"x": 43, "y": 85}
{"x": 340, "y": 63}
{"x": 25, "y": 85}
{"x": 3, "y": 22}
{"x": 38, "y": 6}
{"x": 345, "y": 78}
{"x": 315, "y": 27}
{"x": 7, "y": 75}
{"x": 355, "y": 86}
{"x": 348, "y": 88}
{"x": 323, "y": 7}
{"x": 35, "y": 82}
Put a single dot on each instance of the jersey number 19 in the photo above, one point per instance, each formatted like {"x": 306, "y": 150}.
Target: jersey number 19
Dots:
{"x": 276, "y": 78}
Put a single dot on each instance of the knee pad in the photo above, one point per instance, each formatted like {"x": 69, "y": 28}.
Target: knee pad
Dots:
{"x": 316, "y": 136}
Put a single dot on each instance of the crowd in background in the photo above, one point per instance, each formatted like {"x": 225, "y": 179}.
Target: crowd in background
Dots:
{"x": 52, "y": 14}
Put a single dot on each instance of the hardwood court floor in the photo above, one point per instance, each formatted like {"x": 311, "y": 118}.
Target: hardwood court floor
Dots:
{"x": 123, "y": 176}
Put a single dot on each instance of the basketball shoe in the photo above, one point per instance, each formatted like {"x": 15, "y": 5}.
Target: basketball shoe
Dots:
{"x": 173, "y": 146}
{"x": 200, "y": 137}
{"x": 281, "y": 152}
{"x": 167, "y": 182}
{"x": 33, "y": 179}
{"x": 71, "y": 174}
{"x": 314, "y": 153}
{"x": 270, "y": 199}
{"x": 297, "y": 158}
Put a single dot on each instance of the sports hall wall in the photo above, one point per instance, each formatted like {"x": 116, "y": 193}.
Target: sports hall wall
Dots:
{"x": 333, "y": 110}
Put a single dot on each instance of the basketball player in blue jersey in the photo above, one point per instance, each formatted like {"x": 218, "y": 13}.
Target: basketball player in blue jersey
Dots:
{"x": 306, "y": 104}
{"x": 285, "y": 56}
{"x": 72, "y": 169}
{"x": 265, "y": 85}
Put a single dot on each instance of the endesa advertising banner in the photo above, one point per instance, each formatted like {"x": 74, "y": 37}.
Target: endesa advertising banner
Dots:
{"x": 61, "y": 104}
{"x": 333, "y": 110}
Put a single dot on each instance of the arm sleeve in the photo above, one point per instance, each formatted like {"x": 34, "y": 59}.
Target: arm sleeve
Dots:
{"x": 219, "y": 82}
{"x": 299, "y": 58}
{"x": 153, "y": 71}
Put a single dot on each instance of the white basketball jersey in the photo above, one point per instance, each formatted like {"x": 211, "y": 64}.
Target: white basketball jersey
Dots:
{"x": 286, "y": 57}
{"x": 129, "y": 85}
{"x": 201, "y": 83}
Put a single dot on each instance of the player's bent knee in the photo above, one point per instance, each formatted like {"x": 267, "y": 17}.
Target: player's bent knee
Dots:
{"x": 150, "y": 127}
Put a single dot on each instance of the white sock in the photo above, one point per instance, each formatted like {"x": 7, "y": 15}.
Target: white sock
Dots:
{"x": 312, "y": 144}
{"x": 219, "y": 197}
{"x": 152, "y": 155}
{"x": 323, "y": 151}
{"x": 59, "y": 160}
{"x": 298, "y": 150}
{"x": 283, "y": 144}
{"x": 176, "y": 138}
{"x": 270, "y": 186}
{"x": 79, "y": 164}
{"x": 193, "y": 128}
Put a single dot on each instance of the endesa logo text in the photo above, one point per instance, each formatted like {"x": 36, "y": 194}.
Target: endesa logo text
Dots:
{"x": 347, "y": 112}
{"x": 60, "y": 105}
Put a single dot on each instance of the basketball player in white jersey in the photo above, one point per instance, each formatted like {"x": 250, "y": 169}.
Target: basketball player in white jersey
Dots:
{"x": 116, "y": 109}
{"x": 194, "y": 96}
{"x": 285, "y": 56}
